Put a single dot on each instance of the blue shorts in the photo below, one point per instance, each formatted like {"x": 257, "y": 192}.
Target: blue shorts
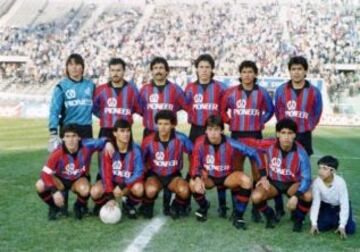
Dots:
{"x": 329, "y": 218}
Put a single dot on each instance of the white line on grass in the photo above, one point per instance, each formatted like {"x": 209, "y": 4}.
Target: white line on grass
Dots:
{"x": 145, "y": 236}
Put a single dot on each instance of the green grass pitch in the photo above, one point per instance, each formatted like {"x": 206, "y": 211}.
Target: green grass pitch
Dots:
{"x": 24, "y": 225}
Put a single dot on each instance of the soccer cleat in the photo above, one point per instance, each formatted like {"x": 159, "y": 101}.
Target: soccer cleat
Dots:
{"x": 279, "y": 214}
{"x": 239, "y": 223}
{"x": 270, "y": 222}
{"x": 255, "y": 216}
{"x": 64, "y": 212}
{"x": 175, "y": 210}
{"x": 129, "y": 210}
{"x": 79, "y": 210}
{"x": 147, "y": 211}
{"x": 96, "y": 210}
{"x": 292, "y": 216}
{"x": 166, "y": 210}
{"x": 201, "y": 213}
{"x": 53, "y": 212}
{"x": 270, "y": 219}
{"x": 222, "y": 211}
{"x": 297, "y": 226}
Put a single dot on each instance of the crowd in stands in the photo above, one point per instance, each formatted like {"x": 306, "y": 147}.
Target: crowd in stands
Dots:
{"x": 268, "y": 33}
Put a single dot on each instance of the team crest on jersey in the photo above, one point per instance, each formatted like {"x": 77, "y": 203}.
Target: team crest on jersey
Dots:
{"x": 159, "y": 155}
{"x": 210, "y": 159}
{"x": 71, "y": 171}
{"x": 241, "y": 104}
{"x": 116, "y": 168}
{"x": 154, "y": 98}
{"x": 87, "y": 91}
{"x": 291, "y": 105}
{"x": 275, "y": 163}
{"x": 112, "y": 102}
{"x": 198, "y": 98}
{"x": 70, "y": 94}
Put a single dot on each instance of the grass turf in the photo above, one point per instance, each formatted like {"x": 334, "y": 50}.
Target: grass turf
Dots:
{"x": 24, "y": 225}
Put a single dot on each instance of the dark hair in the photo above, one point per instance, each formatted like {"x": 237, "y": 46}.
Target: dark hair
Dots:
{"x": 166, "y": 115}
{"x": 77, "y": 58}
{"x": 160, "y": 60}
{"x": 207, "y": 58}
{"x": 121, "y": 124}
{"x": 248, "y": 64}
{"x": 286, "y": 123}
{"x": 298, "y": 60}
{"x": 117, "y": 61}
{"x": 214, "y": 120}
{"x": 73, "y": 128}
{"x": 329, "y": 161}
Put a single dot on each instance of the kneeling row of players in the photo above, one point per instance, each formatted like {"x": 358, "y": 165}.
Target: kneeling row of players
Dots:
{"x": 283, "y": 167}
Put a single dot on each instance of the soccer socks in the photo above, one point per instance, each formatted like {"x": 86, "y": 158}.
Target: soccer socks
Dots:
{"x": 279, "y": 204}
{"x": 132, "y": 200}
{"x": 46, "y": 196}
{"x": 166, "y": 197}
{"x": 82, "y": 201}
{"x": 221, "y": 192}
{"x": 301, "y": 210}
{"x": 265, "y": 209}
{"x": 201, "y": 200}
{"x": 241, "y": 199}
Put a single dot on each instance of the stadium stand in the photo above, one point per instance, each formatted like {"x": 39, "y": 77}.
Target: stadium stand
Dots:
{"x": 326, "y": 34}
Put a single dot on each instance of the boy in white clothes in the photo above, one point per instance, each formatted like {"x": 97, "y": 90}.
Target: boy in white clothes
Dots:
{"x": 330, "y": 208}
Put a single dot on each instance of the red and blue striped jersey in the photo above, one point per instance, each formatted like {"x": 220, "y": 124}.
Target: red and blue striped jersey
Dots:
{"x": 154, "y": 98}
{"x": 292, "y": 166}
{"x": 249, "y": 110}
{"x": 203, "y": 101}
{"x": 65, "y": 165}
{"x": 126, "y": 168}
{"x": 111, "y": 104}
{"x": 303, "y": 106}
{"x": 165, "y": 160}
{"x": 218, "y": 161}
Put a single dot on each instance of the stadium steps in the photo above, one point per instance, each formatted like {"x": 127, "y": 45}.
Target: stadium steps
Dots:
{"x": 5, "y": 6}
{"x": 57, "y": 11}
{"x": 40, "y": 12}
{"x": 24, "y": 13}
{"x": 94, "y": 16}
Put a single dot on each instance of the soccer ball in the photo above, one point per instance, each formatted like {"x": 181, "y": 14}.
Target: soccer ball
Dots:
{"x": 110, "y": 215}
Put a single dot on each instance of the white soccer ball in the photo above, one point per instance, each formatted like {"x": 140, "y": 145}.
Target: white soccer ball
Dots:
{"x": 109, "y": 214}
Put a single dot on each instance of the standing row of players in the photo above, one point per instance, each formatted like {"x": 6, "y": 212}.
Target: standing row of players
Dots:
{"x": 215, "y": 161}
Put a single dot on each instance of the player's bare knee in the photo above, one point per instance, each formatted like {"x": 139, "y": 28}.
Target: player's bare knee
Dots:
{"x": 40, "y": 186}
{"x": 117, "y": 192}
{"x": 151, "y": 191}
{"x": 83, "y": 190}
{"x": 183, "y": 191}
{"x": 246, "y": 182}
{"x": 256, "y": 197}
{"x": 191, "y": 186}
{"x": 138, "y": 190}
{"x": 96, "y": 192}
{"x": 307, "y": 197}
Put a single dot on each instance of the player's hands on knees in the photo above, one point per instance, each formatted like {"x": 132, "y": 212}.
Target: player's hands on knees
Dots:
{"x": 54, "y": 142}
{"x": 111, "y": 203}
{"x": 199, "y": 185}
{"x": 341, "y": 232}
{"x": 264, "y": 183}
{"x": 314, "y": 230}
{"x": 109, "y": 148}
{"x": 58, "y": 199}
{"x": 292, "y": 203}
